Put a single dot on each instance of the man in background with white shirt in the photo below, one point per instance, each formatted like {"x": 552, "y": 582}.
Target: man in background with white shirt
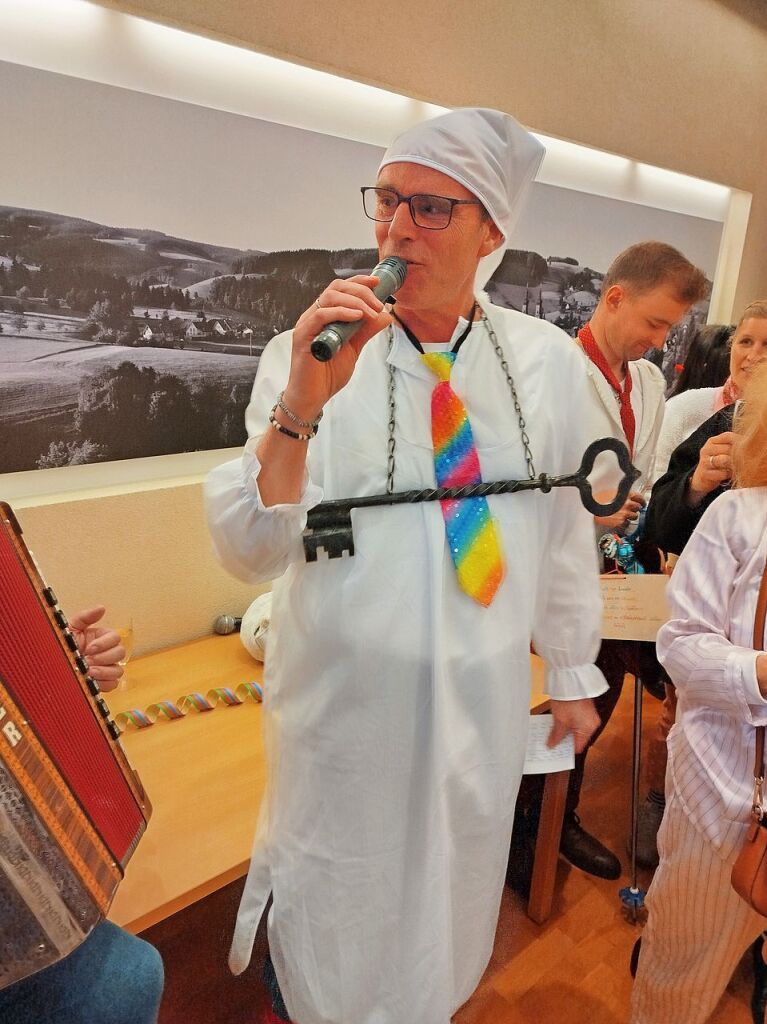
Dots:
{"x": 648, "y": 288}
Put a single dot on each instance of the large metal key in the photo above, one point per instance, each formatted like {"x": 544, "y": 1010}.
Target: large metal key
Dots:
{"x": 329, "y": 524}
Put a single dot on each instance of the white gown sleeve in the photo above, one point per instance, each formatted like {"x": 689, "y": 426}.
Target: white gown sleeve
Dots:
{"x": 253, "y": 542}
{"x": 568, "y": 617}
{"x": 693, "y": 646}
{"x": 671, "y": 436}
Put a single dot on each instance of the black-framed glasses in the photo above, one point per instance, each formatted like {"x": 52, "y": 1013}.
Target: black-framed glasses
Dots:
{"x": 427, "y": 211}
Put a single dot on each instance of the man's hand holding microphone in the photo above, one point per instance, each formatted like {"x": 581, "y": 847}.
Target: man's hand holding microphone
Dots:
{"x": 356, "y": 303}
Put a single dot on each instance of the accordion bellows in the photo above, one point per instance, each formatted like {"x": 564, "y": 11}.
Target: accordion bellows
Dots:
{"x": 71, "y": 808}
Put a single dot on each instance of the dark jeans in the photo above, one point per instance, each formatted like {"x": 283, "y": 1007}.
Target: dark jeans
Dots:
{"x": 111, "y": 978}
{"x": 273, "y": 988}
{"x": 616, "y": 658}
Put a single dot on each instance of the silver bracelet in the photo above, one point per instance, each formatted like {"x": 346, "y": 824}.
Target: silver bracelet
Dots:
{"x": 309, "y": 424}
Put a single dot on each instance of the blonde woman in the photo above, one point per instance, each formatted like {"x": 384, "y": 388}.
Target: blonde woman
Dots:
{"x": 698, "y": 927}
{"x": 701, "y": 466}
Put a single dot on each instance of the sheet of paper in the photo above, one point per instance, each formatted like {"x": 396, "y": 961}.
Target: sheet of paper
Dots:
{"x": 634, "y": 606}
{"x": 540, "y": 759}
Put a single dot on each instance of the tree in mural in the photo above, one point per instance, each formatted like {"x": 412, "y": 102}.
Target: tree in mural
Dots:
{"x": 129, "y": 412}
{"x": 70, "y": 453}
{"x": 108, "y": 318}
{"x": 113, "y": 410}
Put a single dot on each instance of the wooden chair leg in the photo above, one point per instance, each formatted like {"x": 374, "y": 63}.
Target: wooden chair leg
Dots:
{"x": 547, "y": 846}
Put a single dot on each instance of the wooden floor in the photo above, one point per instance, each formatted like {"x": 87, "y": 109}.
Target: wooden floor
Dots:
{"x": 572, "y": 969}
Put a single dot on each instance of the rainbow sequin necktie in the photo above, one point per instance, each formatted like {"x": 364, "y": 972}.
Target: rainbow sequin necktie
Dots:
{"x": 471, "y": 532}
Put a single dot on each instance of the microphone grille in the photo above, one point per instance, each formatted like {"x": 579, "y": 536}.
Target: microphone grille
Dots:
{"x": 398, "y": 268}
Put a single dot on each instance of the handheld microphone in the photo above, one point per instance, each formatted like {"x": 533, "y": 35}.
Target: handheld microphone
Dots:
{"x": 391, "y": 274}
{"x": 226, "y": 624}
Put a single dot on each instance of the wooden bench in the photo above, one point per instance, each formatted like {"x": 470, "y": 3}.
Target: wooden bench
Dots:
{"x": 205, "y": 776}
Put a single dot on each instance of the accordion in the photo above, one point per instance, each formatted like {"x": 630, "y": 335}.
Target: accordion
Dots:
{"x": 71, "y": 808}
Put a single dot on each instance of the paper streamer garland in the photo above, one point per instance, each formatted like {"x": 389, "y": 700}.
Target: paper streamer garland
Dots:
{"x": 173, "y": 711}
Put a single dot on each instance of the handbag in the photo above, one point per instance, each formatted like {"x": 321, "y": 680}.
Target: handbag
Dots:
{"x": 749, "y": 872}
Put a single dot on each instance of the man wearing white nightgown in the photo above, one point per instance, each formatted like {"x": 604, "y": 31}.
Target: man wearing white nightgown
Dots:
{"x": 396, "y": 691}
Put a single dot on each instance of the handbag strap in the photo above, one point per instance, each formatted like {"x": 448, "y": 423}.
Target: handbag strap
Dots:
{"x": 759, "y": 618}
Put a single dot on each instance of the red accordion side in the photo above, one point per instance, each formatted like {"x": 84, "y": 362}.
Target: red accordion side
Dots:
{"x": 71, "y": 808}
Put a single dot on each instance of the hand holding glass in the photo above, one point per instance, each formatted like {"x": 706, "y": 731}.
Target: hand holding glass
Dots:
{"x": 126, "y": 639}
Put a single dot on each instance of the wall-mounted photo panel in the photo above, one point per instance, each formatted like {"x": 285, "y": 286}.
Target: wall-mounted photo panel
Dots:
{"x": 150, "y": 248}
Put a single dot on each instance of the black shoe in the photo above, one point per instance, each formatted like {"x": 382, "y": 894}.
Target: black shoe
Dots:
{"x": 585, "y": 852}
{"x": 759, "y": 995}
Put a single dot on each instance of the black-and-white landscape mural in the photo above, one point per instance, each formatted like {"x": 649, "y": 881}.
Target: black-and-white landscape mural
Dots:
{"x": 120, "y": 343}
{"x": 149, "y": 249}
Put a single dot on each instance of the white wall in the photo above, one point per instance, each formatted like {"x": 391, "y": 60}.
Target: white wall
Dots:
{"x": 145, "y": 554}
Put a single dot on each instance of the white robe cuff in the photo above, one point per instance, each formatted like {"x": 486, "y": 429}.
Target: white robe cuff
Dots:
{"x": 573, "y": 682}
{"x": 310, "y": 496}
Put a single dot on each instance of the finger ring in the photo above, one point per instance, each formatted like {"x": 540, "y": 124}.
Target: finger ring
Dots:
{"x": 317, "y": 304}
{"x": 711, "y": 462}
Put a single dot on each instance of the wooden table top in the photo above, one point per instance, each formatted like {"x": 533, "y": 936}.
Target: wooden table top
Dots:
{"x": 204, "y": 775}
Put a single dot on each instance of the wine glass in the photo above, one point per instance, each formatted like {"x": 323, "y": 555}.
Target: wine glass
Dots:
{"x": 126, "y": 639}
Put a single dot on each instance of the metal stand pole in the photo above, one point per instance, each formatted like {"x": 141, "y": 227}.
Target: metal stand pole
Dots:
{"x": 631, "y": 896}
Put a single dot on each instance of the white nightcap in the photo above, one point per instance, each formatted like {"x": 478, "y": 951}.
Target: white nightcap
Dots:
{"x": 485, "y": 150}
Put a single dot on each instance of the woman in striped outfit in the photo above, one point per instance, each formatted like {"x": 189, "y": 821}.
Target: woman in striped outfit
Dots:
{"x": 698, "y": 927}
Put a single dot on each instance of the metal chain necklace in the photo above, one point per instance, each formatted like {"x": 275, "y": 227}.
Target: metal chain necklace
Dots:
{"x": 391, "y": 443}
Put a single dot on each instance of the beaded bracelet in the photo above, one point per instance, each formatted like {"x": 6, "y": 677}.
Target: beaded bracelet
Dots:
{"x": 286, "y": 430}
{"x": 312, "y": 424}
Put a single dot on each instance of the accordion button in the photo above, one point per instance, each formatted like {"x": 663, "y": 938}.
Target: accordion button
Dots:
{"x": 82, "y": 664}
{"x": 114, "y": 730}
{"x": 71, "y": 642}
{"x": 101, "y": 704}
{"x": 93, "y": 686}
{"x": 49, "y": 596}
{"x": 60, "y": 618}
